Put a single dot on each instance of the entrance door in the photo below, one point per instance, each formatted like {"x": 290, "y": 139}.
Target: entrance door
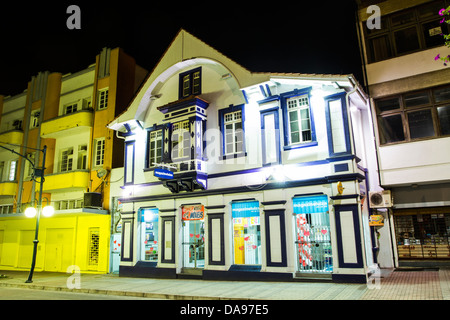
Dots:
{"x": 193, "y": 244}
{"x": 312, "y": 235}
{"x": 58, "y": 249}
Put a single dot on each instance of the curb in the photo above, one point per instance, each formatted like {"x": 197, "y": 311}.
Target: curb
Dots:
{"x": 136, "y": 294}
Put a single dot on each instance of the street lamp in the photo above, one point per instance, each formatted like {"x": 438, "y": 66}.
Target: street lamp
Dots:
{"x": 38, "y": 172}
{"x": 32, "y": 212}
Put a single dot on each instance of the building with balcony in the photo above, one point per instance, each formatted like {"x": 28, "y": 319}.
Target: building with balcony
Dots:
{"x": 410, "y": 94}
{"x": 68, "y": 114}
{"x": 230, "y": 174}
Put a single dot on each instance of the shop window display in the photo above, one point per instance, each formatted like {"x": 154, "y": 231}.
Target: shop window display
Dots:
{"x": 313, "y": 235}
{"x": 423, "y": 236}
{"x": 149, "y": 235}
{"x": 246, "y": 233}
{"x": 193, "y": 236}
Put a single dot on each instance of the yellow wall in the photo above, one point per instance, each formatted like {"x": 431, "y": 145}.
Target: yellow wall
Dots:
{"x": 63, "y": 241}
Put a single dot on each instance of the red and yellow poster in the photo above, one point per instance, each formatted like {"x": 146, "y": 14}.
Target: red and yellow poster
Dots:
{"x": 194, "y": 212}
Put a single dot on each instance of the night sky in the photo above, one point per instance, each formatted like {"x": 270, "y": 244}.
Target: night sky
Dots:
{"x": 274, "y": 36}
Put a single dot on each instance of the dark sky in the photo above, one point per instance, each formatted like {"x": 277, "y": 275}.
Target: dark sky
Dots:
{"x": 279, "y": 36}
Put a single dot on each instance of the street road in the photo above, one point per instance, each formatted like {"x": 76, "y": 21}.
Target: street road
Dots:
{"x": 30, "y": 294}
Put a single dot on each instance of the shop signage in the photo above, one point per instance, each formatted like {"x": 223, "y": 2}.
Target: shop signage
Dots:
{"x": 376, "y": 220}
{"x": 245, "y": 209}
{"x": 163, "y": 173}
{"x": 309, "y": 205}
{"x": 194, "y": 212}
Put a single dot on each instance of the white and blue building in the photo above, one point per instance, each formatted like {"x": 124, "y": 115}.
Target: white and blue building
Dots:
{"x": 231, "y": 174}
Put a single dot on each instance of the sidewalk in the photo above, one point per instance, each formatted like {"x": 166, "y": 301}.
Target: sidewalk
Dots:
{"x": 392, "y": 285}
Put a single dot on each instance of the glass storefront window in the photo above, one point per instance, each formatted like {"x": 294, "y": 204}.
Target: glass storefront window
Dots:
{"x": 423, "y": 236}
{"x": 193, "y": 236}
{"x": 246, "y": 232}
{"x": 149, "y": 234}
{"x": 312, "y": 226}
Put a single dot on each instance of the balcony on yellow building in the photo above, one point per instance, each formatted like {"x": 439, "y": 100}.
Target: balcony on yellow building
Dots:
{"x": 12, "y": 136}
{"x": 8, "y": 188}
{"x": 68, "y": 124}
{"x": 66, "y": 181}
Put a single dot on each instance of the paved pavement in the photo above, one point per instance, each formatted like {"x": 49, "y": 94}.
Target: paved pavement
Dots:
{"x": 389, "y": 285}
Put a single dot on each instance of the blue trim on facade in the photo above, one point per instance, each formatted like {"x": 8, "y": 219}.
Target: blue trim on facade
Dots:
{"x": 356, "y": 229}
{"x": 265, "y": 113}
{"x": 219, "y": 216}
{"x": 280, "y": 214}
{"x": 338, "y": 96}
{"x": 263, "y": 91}
{"x": 269, "y": 99}
{"x": 126, "y": 164}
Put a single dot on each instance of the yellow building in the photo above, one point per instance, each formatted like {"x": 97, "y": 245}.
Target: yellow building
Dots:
{"x": 68, "y": 114}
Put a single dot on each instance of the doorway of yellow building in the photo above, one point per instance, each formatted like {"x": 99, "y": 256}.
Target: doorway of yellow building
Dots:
{"x": 58, "y": 249}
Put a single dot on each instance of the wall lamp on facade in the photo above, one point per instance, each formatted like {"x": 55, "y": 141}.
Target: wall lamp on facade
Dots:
{"x": 275, "y": 173}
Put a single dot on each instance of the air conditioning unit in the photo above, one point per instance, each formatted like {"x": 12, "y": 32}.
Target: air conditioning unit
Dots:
{"x": 93, "y": 200}
{"x": 380, "y": 199}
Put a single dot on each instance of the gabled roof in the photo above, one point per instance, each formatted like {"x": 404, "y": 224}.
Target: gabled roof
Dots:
{"x": 185, "y": 50}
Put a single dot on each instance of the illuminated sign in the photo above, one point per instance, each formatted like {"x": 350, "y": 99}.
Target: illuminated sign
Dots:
{"x": 194, "y": 212}
{"x": 163, "y": 174}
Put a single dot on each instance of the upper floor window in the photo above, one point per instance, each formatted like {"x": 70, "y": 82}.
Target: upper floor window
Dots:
{"x": 181, "y": 140}
{"x": 102, "y": 99}
{"x": 234, "y": 135}
{"x": 406, "y": 31}
{"x": 231, "y": 122}
{"x": 99, "y": 152}
{"x": 70, "y": 108}
{"x": 414, "y": 115}
{"x": 66, "y": 160}
{"x": 12, "y": 170}
{"x": 190, "y": 83}
{"x": 299, "y": 119}
{"x": 34, "y": 120}
{"x": 155, "y": 148}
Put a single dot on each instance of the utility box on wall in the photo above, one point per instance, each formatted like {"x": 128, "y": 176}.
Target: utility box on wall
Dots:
{"x": 93, "y": 200}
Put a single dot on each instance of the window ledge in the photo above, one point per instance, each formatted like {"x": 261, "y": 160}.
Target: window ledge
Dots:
{"x": 300, "y": 145}
{"x": 233, "y": 156}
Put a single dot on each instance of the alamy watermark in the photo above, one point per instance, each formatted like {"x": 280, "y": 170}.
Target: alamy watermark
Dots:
{"x": 74, "y": 281}
{"x": 374, "y": 21}
{"x": 74, "y": 20}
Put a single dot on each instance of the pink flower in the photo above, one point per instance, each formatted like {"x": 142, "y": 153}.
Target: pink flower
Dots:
{"x": 437, "y": 57}
{"x": 441, "y": 12}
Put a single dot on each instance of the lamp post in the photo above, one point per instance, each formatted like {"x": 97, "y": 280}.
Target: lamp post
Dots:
{"x": 40, "y": 173}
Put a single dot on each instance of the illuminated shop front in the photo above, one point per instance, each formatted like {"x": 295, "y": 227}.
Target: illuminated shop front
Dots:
{"x": 193, "y": 236}
{"x": 312, "y": 235}
{"x": 149, "y": 234}
{"x": 423, "y": 234}
{"x": 246, "y": 232}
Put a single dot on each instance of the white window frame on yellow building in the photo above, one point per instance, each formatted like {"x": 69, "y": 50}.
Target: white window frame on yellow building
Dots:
{"x": 99, "y": 155}
{"x": 34, "y": 120}
{"x": 102, "y": 99}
